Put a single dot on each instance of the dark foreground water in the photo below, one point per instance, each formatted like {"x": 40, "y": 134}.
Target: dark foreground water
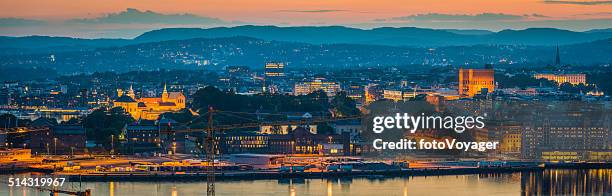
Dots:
{"x": 548, "y": 182}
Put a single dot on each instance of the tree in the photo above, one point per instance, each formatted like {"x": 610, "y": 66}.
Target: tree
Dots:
{"x": 324, "y": 128}
{"x": 342, "y": 105}
{"x": 102, "y": 124}
{"x": 521, "y": 81}
{"x": 182, "y": 116}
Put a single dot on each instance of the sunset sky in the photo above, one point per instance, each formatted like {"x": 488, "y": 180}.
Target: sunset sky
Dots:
{"x": 128, "y": 18}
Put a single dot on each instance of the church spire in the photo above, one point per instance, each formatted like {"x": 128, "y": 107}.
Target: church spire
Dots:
{"x": 164, "y": 96}
{"x": 131, "y": 92}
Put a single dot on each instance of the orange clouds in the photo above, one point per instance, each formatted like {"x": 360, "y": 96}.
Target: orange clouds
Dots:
{"x": 268, "y": 10}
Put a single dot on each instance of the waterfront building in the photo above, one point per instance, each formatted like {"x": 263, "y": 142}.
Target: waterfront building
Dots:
{"x": 299, "y": 141}
{"x": 59, "y": 139}
{"x": 574, "y": 155}
{"x": 141, "y": 138}
{"x": 511, "y": 142}
{"x": 303, "y": 88}
{"x": 574, "y": 79}
{"x": 567, "y": 127}
{"x": 508, "y": 134}
{"x": 476, "y": 81}
{"x": 150, "y": 108}
{"x": 259, "y": 161}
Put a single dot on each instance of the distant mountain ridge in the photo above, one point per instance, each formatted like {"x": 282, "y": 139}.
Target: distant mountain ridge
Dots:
{"x": 49, "y": 41}
{"x": 387, "y": 36}
{"x": 404, "y": 36}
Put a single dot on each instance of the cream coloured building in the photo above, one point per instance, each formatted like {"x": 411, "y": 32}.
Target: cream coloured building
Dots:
{"x": 149, "y": 108}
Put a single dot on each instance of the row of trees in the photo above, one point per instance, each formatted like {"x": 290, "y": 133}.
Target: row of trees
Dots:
{"x": 340, "y": 104}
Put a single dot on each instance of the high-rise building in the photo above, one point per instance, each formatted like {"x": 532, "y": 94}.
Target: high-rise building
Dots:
{"x": 476, "y": 81}
{"x": 275, "y": 69}
{"x": 303, "y": 88}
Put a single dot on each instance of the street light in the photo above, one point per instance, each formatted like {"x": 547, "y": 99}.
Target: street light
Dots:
{"x": 112, "y": 144}
{"x": 54, "y": 146}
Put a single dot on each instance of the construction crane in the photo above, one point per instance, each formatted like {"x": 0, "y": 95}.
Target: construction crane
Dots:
{"x": 210, "y": 137}
{"x": 210, "y": 140}
{"x": 210, "y": 154}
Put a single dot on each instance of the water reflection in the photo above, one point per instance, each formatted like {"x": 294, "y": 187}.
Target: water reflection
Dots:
{"x": 570, "y": 182}
{"x": 548, "y": 182}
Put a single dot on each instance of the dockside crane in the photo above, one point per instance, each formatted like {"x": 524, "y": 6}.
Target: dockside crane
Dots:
{"x": 211, "y": 129}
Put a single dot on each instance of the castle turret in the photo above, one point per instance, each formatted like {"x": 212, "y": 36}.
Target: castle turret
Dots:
{"x": 165, "y": 95}
{"x": 131, "y": 93}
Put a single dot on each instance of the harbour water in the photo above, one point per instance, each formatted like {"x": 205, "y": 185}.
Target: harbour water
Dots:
{"x": 547, "y": 182}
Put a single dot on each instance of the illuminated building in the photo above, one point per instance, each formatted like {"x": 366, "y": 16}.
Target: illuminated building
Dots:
{"x": 596, "y": 92}
{"x": 150, "y": 108}
{"x": 573, "y": 155}
{"x": 399, "y": 95}
{"x": 372, "y": 93}
{"x": 299, "y": 141}
{"x": 275, "y": 69}
{"x": 476, "y": 81}
{"x": 288, "y": 128}
{"x": 568, "y": 130}
{"x": 508, "y": 133}
{"x": 511, "y": 142}
{"x": 285, "y": 129}
{"x": 395, "y": 95}
{"x": 574, "y": 79}
{"x": 11, "y": 154}
{"x": 303, "y": 88}
{"x": 355, "y": 92}
{"x": 237, "y": 69}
